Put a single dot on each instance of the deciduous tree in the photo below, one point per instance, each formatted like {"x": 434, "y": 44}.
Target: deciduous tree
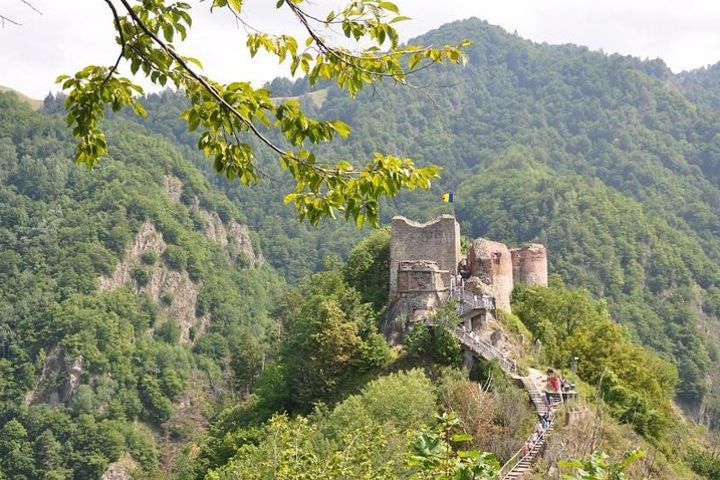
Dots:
{"x": 233, "y": 118}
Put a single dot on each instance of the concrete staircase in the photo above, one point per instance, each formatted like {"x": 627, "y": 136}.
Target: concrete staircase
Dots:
{"x": 524, "y": 464}
{"x": 537, "y": 397}
{"x": 520, "y": 463}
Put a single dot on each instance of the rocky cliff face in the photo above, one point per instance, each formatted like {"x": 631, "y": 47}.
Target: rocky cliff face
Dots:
{"x": 59, "y": 378}
{"x": 233, "y": 236}
{"x": 122, "y": 469}
{"x": 173, "y": 188}
{"x": 147, "y": 240}
{"x": 173, "y": 290}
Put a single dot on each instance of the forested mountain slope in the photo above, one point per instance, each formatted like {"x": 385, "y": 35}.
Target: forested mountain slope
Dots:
{"x": 611, "y": 161}
{"x": 129, "y": 291}
{"x": 601, "y": 157}
{"x": 123, "y": 291}
{"x": 703, "y": 85}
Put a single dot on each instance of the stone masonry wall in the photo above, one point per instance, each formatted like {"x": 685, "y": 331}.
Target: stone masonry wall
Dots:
{"x": 530, "y": 264}
{"x": 437, "y": 241}
{"x": 492, "y": 263}
{"x": 421, "y": 276}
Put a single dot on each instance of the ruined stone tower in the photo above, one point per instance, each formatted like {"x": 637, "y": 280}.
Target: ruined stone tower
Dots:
{"x": 492, "y": 264}
{"x": 425, "y": 256}
{"x": 530, "y": 264}
{"x": 437, "y": 241}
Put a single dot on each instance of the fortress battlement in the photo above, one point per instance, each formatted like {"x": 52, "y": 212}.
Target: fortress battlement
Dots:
{"x": 425, "y": 256}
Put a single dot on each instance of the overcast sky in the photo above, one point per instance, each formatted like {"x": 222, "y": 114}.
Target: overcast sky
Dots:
{"x": 73, "y": 33}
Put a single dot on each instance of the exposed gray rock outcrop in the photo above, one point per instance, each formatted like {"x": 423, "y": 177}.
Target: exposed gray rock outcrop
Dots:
{"x": 59, "y": 378}
{"x": 162, "y": 283}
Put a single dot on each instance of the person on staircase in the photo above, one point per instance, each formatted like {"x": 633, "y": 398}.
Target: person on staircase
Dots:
{"x": 549, "y": 386}
{"x": 464, "y": 270}
{"x": 556, "y": 387}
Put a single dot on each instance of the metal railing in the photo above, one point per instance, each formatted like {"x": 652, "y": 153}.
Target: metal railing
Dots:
{"x": 466, "y": 302}
{"x": 484, "y": 348}
{"x": 516, "y": 459}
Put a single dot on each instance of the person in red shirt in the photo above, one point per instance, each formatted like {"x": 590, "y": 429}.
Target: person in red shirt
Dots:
{"x": 555, "y": 382}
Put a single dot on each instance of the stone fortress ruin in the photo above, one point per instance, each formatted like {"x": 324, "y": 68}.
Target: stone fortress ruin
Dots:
{"x": 429, "y": 272}
{"x": 426, "y": 263}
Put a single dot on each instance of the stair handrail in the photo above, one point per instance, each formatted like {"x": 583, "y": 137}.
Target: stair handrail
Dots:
{"x": 484, "y": 348}
{"x": 540, "y": 440}
{"x": 462, "y": 296}
{"x": 477, "y": 344}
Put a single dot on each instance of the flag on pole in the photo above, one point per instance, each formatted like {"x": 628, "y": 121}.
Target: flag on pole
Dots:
{"x": 448, "y": 197}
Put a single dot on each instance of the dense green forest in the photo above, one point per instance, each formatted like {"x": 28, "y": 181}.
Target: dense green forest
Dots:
{"x": 609, "y": 160}
{"x": 62, "y": 230}
{"x": 703, "y": 85}
{"x": 141, "y": 316}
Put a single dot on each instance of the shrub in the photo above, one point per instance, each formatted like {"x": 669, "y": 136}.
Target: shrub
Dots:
{"x": 169, "y": 332}
{"x": 149, "y": 258}
{"x": 167, "y": 298}
{"x": 140, "y": 275}
{"x": 434, "y": 343}
{"x": 175, "y": 257}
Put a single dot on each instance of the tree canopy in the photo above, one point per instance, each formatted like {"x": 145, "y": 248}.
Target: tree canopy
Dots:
{"x": 235, "y": 118}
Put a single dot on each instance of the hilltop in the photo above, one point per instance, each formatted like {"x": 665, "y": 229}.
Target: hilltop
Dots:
{"x": 33, "y": 103}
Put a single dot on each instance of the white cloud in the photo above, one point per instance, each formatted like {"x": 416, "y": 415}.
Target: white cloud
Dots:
{"x": 74, "y": 33}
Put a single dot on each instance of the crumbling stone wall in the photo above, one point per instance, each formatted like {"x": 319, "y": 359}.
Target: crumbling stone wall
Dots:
{"x": 423, "y": 257}
{"x": 420, "y": 276}
{"x": 530, "y": 264}
{"x": 492, "y": 264}
{"x": 435, "y": 241}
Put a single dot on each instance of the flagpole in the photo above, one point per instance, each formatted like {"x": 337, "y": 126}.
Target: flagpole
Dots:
{"x": 449, "y": 197}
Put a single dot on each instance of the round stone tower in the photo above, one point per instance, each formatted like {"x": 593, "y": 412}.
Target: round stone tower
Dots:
{"x": 492, "y": 264}
{"x": 530, "y": 264}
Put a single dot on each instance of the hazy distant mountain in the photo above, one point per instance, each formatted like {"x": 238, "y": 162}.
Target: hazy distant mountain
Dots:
{"x": 34, "y": 104}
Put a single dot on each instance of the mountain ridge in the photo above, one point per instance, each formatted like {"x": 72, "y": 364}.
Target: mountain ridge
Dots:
{"x": 609, "y": 160}
{"x": 34, "y": 103}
